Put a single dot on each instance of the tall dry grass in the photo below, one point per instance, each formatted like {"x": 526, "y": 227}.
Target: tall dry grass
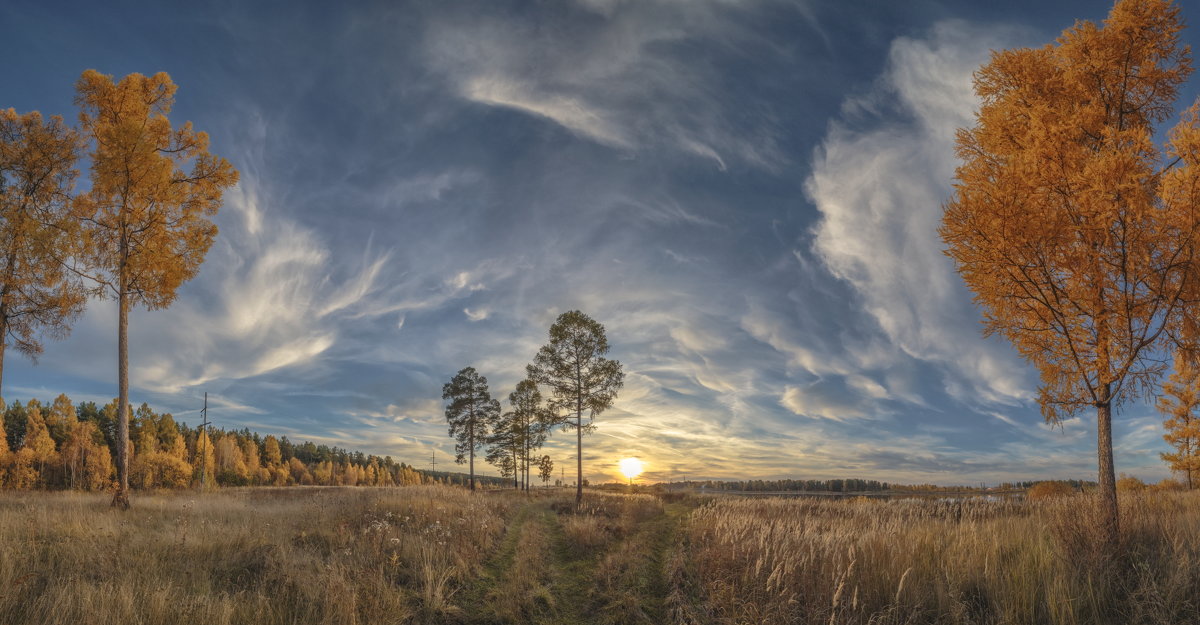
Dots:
{"x": 300, "y": 555}
{"x": 910, "y": 561}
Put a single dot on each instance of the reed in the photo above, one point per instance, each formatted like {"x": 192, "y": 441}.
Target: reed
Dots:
{"x": 942, "y": 561}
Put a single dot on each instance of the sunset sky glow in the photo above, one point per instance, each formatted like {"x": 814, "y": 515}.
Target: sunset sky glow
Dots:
{"x": 745, "y": 194}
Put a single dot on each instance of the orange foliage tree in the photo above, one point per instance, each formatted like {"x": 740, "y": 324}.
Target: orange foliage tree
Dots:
{"x": 147, "y": 220}
{"x": 38, "y": 442}
{"x": 37, "y": 230}
{"x": 1074, "y": 230}
{"x": 1181, "y": 397}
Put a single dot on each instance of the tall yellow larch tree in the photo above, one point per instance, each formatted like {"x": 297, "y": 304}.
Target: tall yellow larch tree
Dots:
{"x": 43, "y": 452}
{"x": 22, "y": 473}
{"x": 76, "y": 451}
{"x": 204, "y": 460}
{"x": 153, "y": 190}
{"x": 273, "y": 461}
{"x": 298, "y": 472}
{"x": 1179, "y": 402}
{"x": 251, "y": 459}
{"x": 174, "y": 470}
{"x": 272, "y": 455}
{"x": 1075, "y": 231}
{"x": 176, "y": 447}
{"x": 39, "y": 295}
{"x": 323, "y": 473}
{"x": 96, "y": 468}
{"x": 229, "y": 459}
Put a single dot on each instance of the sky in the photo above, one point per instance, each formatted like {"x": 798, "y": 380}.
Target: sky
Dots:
{"x": 745, "y": 194}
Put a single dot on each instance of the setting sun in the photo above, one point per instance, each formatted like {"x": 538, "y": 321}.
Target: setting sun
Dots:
{"x": 631, "y": 467}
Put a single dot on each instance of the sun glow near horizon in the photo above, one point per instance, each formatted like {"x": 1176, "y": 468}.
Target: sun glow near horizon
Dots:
{"x": 631, "y": 467}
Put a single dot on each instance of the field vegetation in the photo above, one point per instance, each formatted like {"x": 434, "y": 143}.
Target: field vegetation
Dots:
{"x": 440, "y": 554}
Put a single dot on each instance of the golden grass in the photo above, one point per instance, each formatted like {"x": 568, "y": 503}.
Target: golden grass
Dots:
{"x": 417, "y": 555}
{"x": 242, "y": 556}
{"x": 910, "y": 561}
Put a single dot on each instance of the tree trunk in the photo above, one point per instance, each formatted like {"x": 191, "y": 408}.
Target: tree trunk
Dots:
{"x": 471, "y": 442}
{"x": 1108, "y": 481}
{"x": 121, "y": 498}
{"x": 579, "y": 456}
{"x": 3, "y": 345}
{"x": 4, "y": 321}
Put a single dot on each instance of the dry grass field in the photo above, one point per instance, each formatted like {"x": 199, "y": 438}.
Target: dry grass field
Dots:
{"x": 430, "y": 554}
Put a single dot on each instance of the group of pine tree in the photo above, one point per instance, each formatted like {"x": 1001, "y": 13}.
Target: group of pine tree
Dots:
{"x": 582, "y": 382}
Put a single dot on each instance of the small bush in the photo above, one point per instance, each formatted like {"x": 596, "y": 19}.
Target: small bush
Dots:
{"x": 1130, "y": 484}
{"x": 1049, "y": 490}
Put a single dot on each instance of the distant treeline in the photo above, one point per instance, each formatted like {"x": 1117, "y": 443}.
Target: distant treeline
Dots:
{"x": 852, "y": 485}
{"x": 1074, "y": 484}
{"x": 65, "y": 445}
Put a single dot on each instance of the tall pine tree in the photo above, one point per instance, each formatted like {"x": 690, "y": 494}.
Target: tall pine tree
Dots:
{"x": 469, "y": 412}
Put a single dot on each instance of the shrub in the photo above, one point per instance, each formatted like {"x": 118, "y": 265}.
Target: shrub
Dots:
{"x": 1129, "y": 483}
{"x": 1049, "y": 490}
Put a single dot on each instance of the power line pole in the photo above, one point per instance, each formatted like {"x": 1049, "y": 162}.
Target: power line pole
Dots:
{"x": 433, "y": 462}
{"x": 204, "y": 430}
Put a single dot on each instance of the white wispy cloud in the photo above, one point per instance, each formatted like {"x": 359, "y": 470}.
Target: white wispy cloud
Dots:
{"x": 880, "y": 191}
{"x": 573, "y": 113}
{"x": 623, "y": 82}
{"x": 270, "y": 295}
{"x": 479, "y": 314}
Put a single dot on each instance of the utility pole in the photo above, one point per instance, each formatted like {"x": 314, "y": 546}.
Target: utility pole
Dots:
{"x": 204, "y": 430}
{"x": 432, "y": 462}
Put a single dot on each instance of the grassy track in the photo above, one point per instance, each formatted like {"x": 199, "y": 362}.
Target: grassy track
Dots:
{"x": 539, "y": 574}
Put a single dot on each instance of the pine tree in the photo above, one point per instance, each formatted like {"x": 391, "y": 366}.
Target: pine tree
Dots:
{"x": 581, "y": 380}
{"x": 469, "y": 413}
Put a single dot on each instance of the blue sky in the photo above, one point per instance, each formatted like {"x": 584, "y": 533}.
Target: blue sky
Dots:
{"x": 744, "y": 193}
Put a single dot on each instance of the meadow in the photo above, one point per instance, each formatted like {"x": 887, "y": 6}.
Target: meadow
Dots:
{"x": 440, "y": 554}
